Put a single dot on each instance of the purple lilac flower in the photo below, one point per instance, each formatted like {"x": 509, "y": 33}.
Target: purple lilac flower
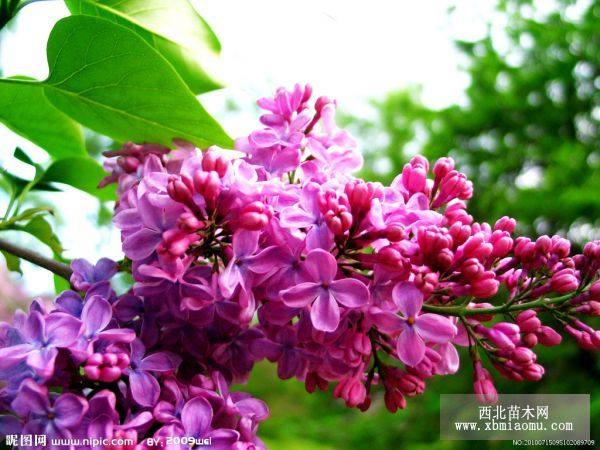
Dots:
{"x": 323, "y": 293}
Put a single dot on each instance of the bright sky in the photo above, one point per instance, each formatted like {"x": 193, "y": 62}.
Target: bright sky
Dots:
{"x": 350, "y": 50}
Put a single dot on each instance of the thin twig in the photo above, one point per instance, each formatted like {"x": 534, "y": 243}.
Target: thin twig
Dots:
{"x": 52, "y": 265}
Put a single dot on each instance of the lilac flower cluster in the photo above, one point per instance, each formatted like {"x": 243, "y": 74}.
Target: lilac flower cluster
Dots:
{"x": 275, "y": 251}
{"x": 86, "y": 369}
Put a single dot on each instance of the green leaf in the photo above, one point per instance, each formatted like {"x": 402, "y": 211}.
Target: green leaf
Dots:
{"x": 39, "y": 228}
{"x": 60, "y": 284}
{"x": 25, "y": 110}
{"x": 112, "y": 81}
{"x": 82, "y": 173}
{"x": 13, "y": 263}
{"x": 173, "y": 27}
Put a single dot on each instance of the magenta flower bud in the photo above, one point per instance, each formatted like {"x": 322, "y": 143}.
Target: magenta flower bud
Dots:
{"x": 420, "y": 161}
{"x": 254, "y": 216}
{"x": 391, "y": 258}
{"x": 472, "y": 269}
{"x": 524, "y": 249}
{"x": 483, "y": 385}
{"x": 109, "y": 359}
{"x": 506, "y": 223}
{"x": 592, "y": 249}
{"x": 176, "y": 242}
{"x": 179, "y": 191}
{"x": 426, "y": 281}
{"x": 460, "y": 233}
{"x": 431, "y": 240}
{"x": 121, "y": 435}
{"x": 394, "y": 400}
{"x": 456, "y": 213}
{"x": 207, "y": 184}
{"x": 591, "y": 308}
{"x": 321, "y": 102}
{"x": 361, "y": 343}
{"x": 510, "y": 329}
{"x": 92, "y": 372}
{"x": 314, "y": 381}
{"x": 411, "y": 385}
{"x": 595, "y": 291}
{"x": 129, "y": 164}
{"x": 548, "y": 336}
{"x": 564, "y": 281}
{"x": 528, "y": 321}
{"x": 351, "y": 390}
{"x": 444, "y": 258}
{"x": 533, "y": 372}
{"x": 502, "y": 243}
{"x": 481, "y": 317}
{"x": 530, "y": 340}
{"x": 95, "y": 359}
{"x": 523, "y": 356}
{"x": 395, "y": 233}
{"x": 500, "y": 339}
{"x": 109, "y": 374}
{"x": 340, "y": 221}
{"x": 543, "y": 244}
{"x": 453, "y": 185}
{"x": 475, "y": 247}
{"x": 442, "y": 167}
{"x": 486, "y": 286}
{"x": 123, "y": 360}
{"x": 560, "y": 247}
{"x": 414, "y": 178}
{"x": 211, "y": 162}
{"x": 586, "y": 337}
{"x": 189, "y": 223}
{"x": 360, "y": 194}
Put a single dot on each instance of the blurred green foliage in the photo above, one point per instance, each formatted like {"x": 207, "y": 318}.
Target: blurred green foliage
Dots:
{"x": 528, "y": 137}
{"x": 527, "y": 134}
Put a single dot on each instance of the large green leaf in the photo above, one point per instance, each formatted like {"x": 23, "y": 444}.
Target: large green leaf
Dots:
{"x": 25, "y": 110}
{"x": 82, "y": 173}
{"x": 173, "y": 27}
{"x": 111, "y": 80}
{"x": 41, "y": 229}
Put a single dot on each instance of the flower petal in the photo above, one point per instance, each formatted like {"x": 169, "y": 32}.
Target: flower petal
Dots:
{"x": 300, "y": 295}
{"x": 245, "y": 243}
{"x": 69, "y": 409}
{"x": 408, "y": 298}
{"x": 435, "y": 328}
{"x": 160, "y": 362}
{"x": 144, "y": 388}
{"x": 325, "y": 313}
{"x": 63, "y": 329}
{"x": 42, "y": 361}
{"x": 265, "y": 261}
{"x": 350, "y": 292}
{"x": 321, "y": 265}
{"x": 196, "y": 417}
{"x": 450, "y": 360}
{"x": 410, "y": 347}
{"x": 96, "y": 315}
{"x": 294, "y": 217}
{"x": 141, "y": 244}
{"x": 31, "y": 399}
{"x": 388, "y": 322}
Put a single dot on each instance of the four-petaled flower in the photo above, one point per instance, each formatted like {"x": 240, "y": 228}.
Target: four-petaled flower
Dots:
{"x": 324, "y": 293}
{"x": 413, "y": 329}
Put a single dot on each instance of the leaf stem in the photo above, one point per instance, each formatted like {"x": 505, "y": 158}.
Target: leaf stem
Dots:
{"x": 53, "y": 266}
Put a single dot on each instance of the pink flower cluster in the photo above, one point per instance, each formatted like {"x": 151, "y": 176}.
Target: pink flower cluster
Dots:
{"x": 277, "y": 251}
